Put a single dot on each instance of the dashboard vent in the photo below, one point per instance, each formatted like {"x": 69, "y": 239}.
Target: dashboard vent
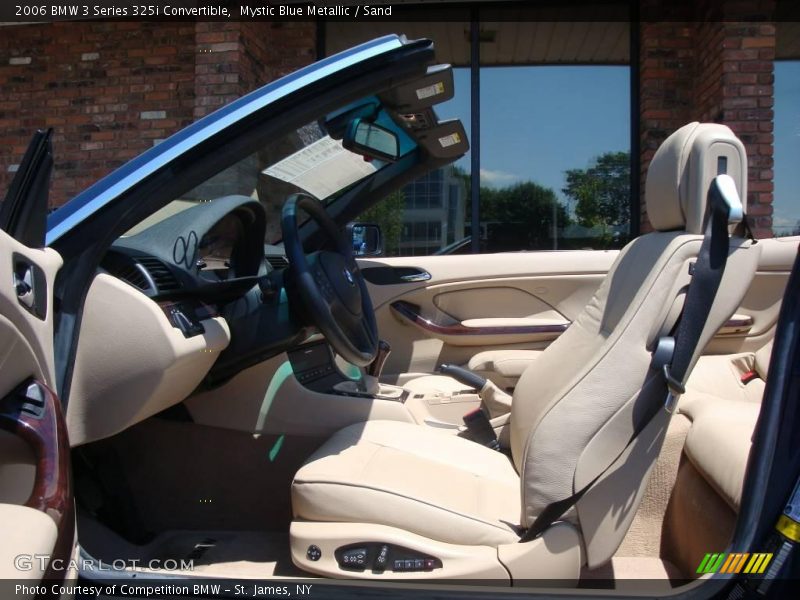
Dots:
{"x": 124, "y": 268}
{"x": 277, "y": 261}
{"x": 163, "y": 278}
{"x": 131, "y": 274}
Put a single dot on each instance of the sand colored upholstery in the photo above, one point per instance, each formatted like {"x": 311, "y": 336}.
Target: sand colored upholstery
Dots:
{"x": 732, "y": 376}
{"x": 411, "y": 477}
{"x": 574, "y": 408}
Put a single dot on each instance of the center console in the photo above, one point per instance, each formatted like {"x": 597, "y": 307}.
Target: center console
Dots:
{"x": 315, "y": 368}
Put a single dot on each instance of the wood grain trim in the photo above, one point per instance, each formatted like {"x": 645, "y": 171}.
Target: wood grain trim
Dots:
{"x": 47, "y": 436}
{"x": 739, "y": 322}
{"x": 411, "y": 312}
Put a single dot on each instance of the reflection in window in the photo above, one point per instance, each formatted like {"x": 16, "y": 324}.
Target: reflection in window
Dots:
{"x": 555, "y": 161}
{"x": 555, "y": 167}
{"x": 429, "y": 215}
{"x": 786, "y": 203}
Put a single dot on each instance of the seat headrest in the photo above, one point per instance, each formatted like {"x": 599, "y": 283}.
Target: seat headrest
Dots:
{"x": 681, "y": 172}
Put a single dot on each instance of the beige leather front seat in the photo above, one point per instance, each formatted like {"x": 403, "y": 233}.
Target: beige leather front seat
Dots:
{"x": 392, "y": 500}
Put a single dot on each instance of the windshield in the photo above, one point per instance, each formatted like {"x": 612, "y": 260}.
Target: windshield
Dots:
{"x": 306, "y": 160}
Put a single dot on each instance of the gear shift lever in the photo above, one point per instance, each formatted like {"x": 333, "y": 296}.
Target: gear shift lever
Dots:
{"x": 368, "y": 384}
{"x": 376, "y": 366}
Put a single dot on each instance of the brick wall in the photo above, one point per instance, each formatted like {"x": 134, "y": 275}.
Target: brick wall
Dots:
{"x": 107, "y": 89}
{"x": 272, "y": 50}
{"x": 216, "y": 66}
{"x": 110, "y": 90}
{"x": 714, "y": 71}
{"x": 666, "y": 75}
{"x": 746, "y": 107}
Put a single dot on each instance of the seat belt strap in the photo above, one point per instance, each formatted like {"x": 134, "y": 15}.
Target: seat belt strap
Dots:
{"x": 706, "y": 278}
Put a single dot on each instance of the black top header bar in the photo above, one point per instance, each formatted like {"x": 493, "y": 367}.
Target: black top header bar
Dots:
{"x": 28, "y": 11}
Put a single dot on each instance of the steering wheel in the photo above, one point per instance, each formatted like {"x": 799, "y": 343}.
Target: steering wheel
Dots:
{"x": 330, "y": 284}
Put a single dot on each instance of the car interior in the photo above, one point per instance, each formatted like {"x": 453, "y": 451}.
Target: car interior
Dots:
{"x": 250, "y": 396}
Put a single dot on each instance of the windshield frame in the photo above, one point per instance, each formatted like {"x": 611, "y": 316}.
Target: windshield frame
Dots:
{"x": 119, "y": 183}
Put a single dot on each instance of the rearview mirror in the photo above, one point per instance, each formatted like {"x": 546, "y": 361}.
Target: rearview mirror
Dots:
{"x": 367, "y": 239}
{"x": 371, "y": 140}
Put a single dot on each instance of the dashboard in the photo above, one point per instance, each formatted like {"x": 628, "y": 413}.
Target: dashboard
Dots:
{"x": 206, "y": 262}
{"x": 210, "y": 249}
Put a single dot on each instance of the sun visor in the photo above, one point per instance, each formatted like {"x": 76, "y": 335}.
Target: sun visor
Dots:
{"x": 448, "y": 139}
{"x": 434, "y": 88}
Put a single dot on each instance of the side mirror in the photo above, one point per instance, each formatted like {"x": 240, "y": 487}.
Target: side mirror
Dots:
{"x": 371, "y": 140}
{"x": 367, "y": 239}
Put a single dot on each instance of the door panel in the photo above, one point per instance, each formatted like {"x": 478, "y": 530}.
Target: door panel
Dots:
{"x": 762, "y": 303}
{"x": 473, "y": 303}
{"x": 36, "y": 511}
{"x": 507, "y": 293}
{"x": 29, "y": 532}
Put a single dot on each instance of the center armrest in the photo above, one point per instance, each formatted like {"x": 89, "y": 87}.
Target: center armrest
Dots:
{"x": 509, "y": 364}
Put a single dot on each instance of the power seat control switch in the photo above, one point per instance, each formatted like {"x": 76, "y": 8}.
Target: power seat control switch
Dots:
{"x": 355, "y": 558}
{"x": 382, "y": 560}
{"x": 415, "y": 564}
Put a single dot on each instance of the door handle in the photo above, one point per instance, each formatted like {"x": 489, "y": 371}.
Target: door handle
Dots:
{"x": 412, "y": 277}
{"x": 30, "y": 285}
{"x": 23, "y": 284}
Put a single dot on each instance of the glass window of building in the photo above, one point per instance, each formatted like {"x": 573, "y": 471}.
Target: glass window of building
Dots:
{"x": 554, "y": 145}
{"x": 786, "y": 196}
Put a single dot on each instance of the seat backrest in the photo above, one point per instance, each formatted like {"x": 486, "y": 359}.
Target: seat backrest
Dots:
{"x": 577, "y": 406}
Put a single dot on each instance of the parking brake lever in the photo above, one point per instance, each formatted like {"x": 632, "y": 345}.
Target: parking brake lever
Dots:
{"x": 494, "y": 400}
{"x": 465, "y": 376}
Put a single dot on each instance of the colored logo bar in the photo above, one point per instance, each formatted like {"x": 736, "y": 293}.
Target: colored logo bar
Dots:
{"x": 735, "y": 562}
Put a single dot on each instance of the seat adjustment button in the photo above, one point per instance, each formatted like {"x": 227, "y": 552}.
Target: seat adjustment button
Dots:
{"x": 383, "y": 558}
{"x": 357, "y": 557}
{"x": 313, "y": 553}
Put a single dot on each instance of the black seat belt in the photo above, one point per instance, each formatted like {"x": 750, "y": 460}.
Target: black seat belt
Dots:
{"x": 706, "y": 277}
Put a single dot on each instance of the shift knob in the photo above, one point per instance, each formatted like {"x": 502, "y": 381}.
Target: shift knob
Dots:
{"x": 376, "y": 366}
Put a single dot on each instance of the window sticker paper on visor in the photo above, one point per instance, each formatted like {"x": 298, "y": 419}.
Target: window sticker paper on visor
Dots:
{"x": 322, "y": 168}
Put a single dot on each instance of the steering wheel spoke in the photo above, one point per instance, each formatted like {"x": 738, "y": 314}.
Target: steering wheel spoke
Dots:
{"x": 321, "y": 280}
{"x": 368, "y": 335}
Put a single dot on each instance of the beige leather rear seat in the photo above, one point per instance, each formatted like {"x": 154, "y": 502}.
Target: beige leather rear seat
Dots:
{"x": 718, "y": 442}
{"x": 722, "y": 411}
{"x": 725, "y": 376}
{"x": 723, "y": 401}
{"x": 719, "y": 375}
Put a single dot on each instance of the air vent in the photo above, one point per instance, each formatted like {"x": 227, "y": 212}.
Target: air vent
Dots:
{"x": 124, "y": 268}
{"x": 132, "y": 275}
{"x": 163, "y": 278}
{"x": 277, "y": 261}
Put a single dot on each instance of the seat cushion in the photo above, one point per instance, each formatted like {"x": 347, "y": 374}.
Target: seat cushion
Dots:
{"x": 414, "y": 478}
{"x": 719, "y": 441}
{"x": 722, "y": 376}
